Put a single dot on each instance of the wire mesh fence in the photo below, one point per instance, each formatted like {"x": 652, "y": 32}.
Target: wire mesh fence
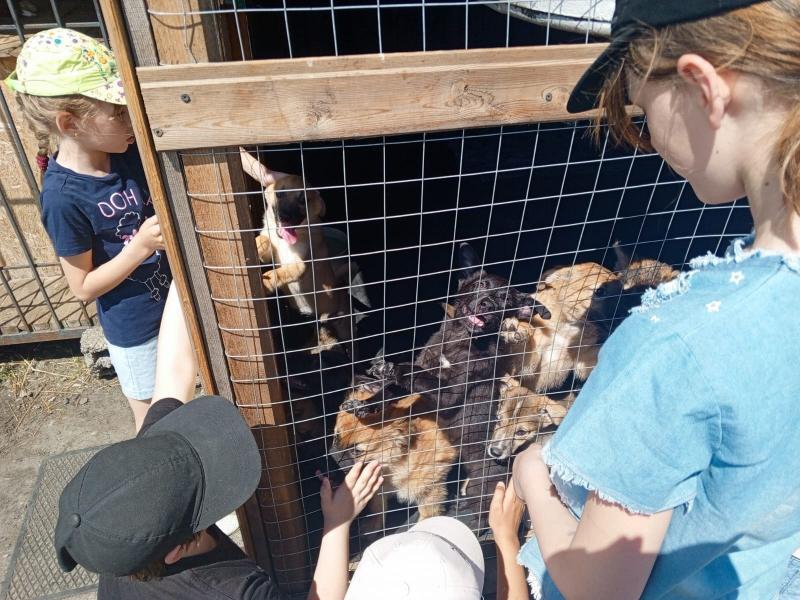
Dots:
{"x": 435, "y": 300}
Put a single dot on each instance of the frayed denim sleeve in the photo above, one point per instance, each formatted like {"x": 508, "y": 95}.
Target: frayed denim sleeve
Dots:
{"x": 642, "y": 430}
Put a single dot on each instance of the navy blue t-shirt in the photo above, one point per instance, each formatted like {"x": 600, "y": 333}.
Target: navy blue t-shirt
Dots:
{"x": 102, "y": 214}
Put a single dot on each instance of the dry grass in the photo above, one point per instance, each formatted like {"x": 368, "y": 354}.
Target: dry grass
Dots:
{"x": 32, "y": 389}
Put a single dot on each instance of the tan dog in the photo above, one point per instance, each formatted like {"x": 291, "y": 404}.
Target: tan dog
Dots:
{"x": 543, "y": 352}
{"x": 291, "y": 238}
{"x": 415, "y": 453}
{"x": 645, "y": 272}
{"x": 522, "y": 416}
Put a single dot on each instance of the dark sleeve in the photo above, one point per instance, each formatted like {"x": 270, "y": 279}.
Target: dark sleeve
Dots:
{"x": 157, "y": 410}
{"x": 69, "y": 229}
{"x": 239, "y": 579}
{"x": 260, "y": 586}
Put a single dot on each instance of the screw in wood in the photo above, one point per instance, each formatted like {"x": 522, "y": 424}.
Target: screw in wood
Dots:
{"x": 548, "y": 96}
{"x": 158, "y": 132}
{"x": 186, "y": 98}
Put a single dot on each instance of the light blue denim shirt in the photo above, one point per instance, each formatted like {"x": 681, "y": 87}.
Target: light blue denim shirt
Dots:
{"x": 695, "y": 405}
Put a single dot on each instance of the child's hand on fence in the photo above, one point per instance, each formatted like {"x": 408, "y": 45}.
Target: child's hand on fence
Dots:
{"x": 149, "y": 236}
{"x": 505, "y": 515}
{"x": 341, "y": 506}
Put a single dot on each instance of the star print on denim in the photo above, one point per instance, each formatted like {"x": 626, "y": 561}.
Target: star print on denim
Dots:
{"x": 655, "y": 319}
{"x": 737, "y": 277}
{"x": 713, "y": 306}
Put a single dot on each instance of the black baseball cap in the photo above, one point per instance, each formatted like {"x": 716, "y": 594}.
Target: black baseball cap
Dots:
{"x": 629, "y": 18}
{"x": 134, "y": 501}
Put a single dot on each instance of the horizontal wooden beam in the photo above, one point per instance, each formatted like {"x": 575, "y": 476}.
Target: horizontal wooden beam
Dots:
{"x": 272, "y": 101}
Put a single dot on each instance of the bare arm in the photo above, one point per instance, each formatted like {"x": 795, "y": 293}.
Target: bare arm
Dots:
{"x": 505, "y": 515}
{"x": 339, "y": 510}
{"x": 176, "y": 366}
{"x": 609, "y": 553}
{"x": 87, "y": 282}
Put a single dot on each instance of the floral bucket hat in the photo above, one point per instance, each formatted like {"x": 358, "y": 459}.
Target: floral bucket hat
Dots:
{"x": 62, "y": 62}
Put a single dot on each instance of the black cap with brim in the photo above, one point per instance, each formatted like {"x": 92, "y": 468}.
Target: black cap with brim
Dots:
{"x": 227, "y": 450}
{"x": 630, "y": 16}
{"x": 585, "y": 93}
{"x": 136, "y": 500}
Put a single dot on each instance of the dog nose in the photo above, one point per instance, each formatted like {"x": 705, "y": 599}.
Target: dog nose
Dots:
{"x": 494, "y": 451}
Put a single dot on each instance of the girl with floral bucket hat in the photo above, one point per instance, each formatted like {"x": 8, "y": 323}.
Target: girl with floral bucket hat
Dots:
{"x": 96, "y": 207}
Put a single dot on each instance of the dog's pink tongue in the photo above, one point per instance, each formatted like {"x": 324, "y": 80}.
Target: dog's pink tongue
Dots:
{"x": 475, "y": 320}
{"x": 288, "y": 234}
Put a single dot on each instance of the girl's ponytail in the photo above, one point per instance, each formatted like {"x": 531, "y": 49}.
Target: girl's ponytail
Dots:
{"x": 42, "y": 155}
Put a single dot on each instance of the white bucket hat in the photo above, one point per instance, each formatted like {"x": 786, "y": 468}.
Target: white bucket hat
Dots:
{"x": 437, "y": 559}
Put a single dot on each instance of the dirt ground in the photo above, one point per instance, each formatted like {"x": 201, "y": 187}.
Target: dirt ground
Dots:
{"x": 49, "y": 404}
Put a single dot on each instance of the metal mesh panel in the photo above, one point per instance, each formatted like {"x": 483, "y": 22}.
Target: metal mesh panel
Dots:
{"x": 34, "y": 571}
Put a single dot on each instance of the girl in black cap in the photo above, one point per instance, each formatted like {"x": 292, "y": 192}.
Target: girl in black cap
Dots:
{"x": 675, "y": 473}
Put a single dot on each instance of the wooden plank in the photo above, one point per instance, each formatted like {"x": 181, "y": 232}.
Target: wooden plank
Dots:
{"x": 282, "y": 101}
{"x": 362, "y": 62}
{"x": 244, "y": 326}
{"x": 276, "y": 511}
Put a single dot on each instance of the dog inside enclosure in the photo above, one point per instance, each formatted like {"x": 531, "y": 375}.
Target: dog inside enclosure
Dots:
{"x": 446, "y": 269}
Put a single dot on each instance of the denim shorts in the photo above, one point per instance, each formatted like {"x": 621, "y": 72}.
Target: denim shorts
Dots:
{"x": 136, "y": 368}
{"x": 790, "y": 588}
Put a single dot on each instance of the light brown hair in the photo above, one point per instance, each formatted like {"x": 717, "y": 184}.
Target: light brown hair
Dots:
{"x": 40, "y": 114}
{"x": 762, "y": 40}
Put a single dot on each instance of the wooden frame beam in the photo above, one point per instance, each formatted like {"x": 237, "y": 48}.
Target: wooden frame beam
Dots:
{"x": 272, "y": 101}
{"x": 273, "y": 520}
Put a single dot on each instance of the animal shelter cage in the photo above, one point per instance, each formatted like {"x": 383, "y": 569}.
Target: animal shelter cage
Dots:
{"x": 36, "y": 303}
{"x": 440, "y": 182}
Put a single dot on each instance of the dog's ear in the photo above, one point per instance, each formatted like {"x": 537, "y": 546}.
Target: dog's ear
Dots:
{"x": 315, "y": 203}
{"x": 623, "y": 260}
{"x": 449, "y": 310}
{"x": 528, "y": 305}
{"x": 468, "y": 261}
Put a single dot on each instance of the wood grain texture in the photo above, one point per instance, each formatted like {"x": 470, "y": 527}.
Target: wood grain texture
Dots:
{"x": 273, "y": 520}
{"x": 349, "y": 97}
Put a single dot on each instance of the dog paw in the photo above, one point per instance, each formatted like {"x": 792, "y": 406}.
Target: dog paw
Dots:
{"x": 262, "y": 247}
{"x": 510, "y": 331}
{"x": 270, "y": 280}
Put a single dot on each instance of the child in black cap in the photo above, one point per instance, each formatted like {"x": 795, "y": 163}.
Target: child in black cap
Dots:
{"x": 141, "y": 513}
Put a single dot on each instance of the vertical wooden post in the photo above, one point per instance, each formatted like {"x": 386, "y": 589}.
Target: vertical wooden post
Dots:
{"x": 227, "y": 247}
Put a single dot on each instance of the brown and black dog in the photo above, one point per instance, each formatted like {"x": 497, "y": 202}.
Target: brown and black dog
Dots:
{"x": 415, "y": 453}
{"x": 465, "y": 348}
{"x": 455, "y": 376}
